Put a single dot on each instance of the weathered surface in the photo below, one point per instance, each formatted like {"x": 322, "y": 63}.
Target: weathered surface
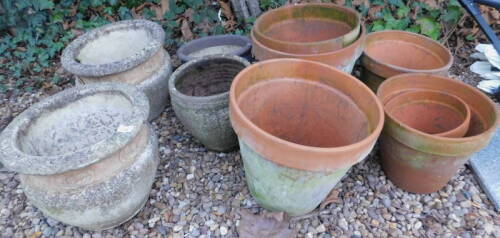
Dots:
{"x": 246, "y": 9}
{"x": 218, "y": 44}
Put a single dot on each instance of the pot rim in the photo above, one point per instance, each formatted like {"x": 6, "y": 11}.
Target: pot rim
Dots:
{"x": 26, "y": 163}
{"x": 315, "y": 43}
{"x": 403, "y": 69}
{"x": 179, "y": 72}
{"x": 69, "y": 54}
{"x": 323, "y": 152}
{"x": 183, "y": 52}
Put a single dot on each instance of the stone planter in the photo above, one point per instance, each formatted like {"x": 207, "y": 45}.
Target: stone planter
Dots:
{"x": 389, "y": 53}
{"x": 87, "y": 156}
{"x": 310, "y": 28}
{"x": 216, "y": 45}
{"x": 423, "y": 163}
{"x": 126, "y": 51}
{"x": 199, "y": 96}
{"x": 291, "y": 119}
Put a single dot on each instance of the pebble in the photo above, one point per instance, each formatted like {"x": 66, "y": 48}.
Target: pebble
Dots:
{"x": 223, "y": 230}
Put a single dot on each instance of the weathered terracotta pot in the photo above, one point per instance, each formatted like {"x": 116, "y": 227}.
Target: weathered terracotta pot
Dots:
{"x": 87, "y": 156}
{"x": 199, "y": 92}
{"x": 431, "y": 112}
{"x": 389, "y": 53}
{"x": 125, "y": 51}
{"x": 342, "y": 59}
{"x": 423, "y": 163}
{"x": 310, "y": 28}
{"x": 216, "y": 45}
{"x": 291, "y": 119}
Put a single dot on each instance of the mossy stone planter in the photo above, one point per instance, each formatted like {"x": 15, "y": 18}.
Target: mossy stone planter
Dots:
{"x": 216, "y": 45}
{"x": 125, "y": 51}
{"x": 199, "y": 92}
{"x": 87, "y": 156}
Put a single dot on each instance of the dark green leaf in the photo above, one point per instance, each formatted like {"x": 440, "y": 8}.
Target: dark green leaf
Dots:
{"x": 429, "y": 27}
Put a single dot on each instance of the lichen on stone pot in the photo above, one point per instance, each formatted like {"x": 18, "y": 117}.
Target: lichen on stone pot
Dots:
{"x": 125, "y": 51}
{"x": 199, "y": 92}
{"x": 301, "y": 125}
{"x": 216, "y": 45}
{"x": 389, "y": 53}
{"x": 87, "y": 156}
{"x": 423, "y": 163}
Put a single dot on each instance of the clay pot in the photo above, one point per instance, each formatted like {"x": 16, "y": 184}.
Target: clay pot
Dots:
{"x": 342, "y": 59}
{"x": 125, "y": 51}
{"x": 423, "y": 163}
{"x": 389, "y": 53}
{"x": 86, "y": 155}
{"x": 431, "y": 112}
{"x": 199, "y": 92}
{"x": 291, "y": 119}
{"x": 308, "y": 28}
{"x": 213, "y": 45}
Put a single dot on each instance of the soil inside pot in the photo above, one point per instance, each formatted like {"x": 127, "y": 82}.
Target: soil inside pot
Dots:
{"x": 214, "y": 50}
{"x": 304, "y": 112}
{"x": 307, "y": 30}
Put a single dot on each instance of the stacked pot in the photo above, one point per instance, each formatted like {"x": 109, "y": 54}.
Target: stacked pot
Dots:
{"x": 321, "y": 32}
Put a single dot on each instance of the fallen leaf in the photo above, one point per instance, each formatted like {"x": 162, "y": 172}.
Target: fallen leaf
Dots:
{"x": 226, "y": 10}
{"x": 268, "y": 224}
{"x": 134, "y": 13}
{"x": 189, "y": 14}
{"x": 186, "y": 31}
{"x": 333, "y": 197}
{"x": 164, "y": 6}
{"x": 35, "y": 235}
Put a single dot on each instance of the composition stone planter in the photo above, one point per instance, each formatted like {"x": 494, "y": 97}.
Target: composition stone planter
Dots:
{"x": 199, "y": 92}
{"x": 87, "y": 156}
{"x": 216, "y": 45}
{"x": 291, "y": 119}
{"x": 126, "y": 51}
{"x": 423, "y": 163}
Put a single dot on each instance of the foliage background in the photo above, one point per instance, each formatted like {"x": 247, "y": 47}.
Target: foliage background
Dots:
{"x": 34, "y": 32}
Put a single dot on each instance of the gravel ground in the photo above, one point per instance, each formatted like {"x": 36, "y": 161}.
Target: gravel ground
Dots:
{"x": 199, "y": 193}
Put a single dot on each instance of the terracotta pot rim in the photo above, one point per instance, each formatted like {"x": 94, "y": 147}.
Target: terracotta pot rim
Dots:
{"x": 307, "y": 44}
{"x": 360, "y": 39}
{"x": 184, "y": 51}
{"x": 403, "y": 69}
{"x": 371, "y": 137}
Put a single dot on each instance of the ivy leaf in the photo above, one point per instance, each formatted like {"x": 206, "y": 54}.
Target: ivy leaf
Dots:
{"x": 124, "y": 13}
{"x": 429, "y": 27}
{"x": 452, "y": 14}
{"x": 413, "y": 28}
{"x": 402, "y": 11}
{"x": 43, "y": 4}
{"x": 378, "y": 25}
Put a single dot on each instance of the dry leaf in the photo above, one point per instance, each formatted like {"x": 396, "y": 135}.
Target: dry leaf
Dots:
{"x": 226, "y": 10}
{"x": 189, "y": 14}
{"x": 374, "y": 10}
{"x": 186, "y": 31}
{"x": 164, "y": 6}
{"x": 134, "y": 13}
{"x": 158, "y": 12}
{"x": 35, "y": 235}
{"x": 268, "y": 224}
{"x": 431, "y": 3}
{"x": 333, "y": 197}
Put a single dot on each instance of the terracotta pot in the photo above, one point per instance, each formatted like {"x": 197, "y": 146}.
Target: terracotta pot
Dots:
{"x": 213, "y": 45}
{"x": 431, "y": 112}
{"x": 423, "y": 163}
{"x": 342, "y": 59}
{"x": 128, "y": 51}
{"x": 310, "y": 28}
{"x": 290, "y": 116}
{"x": 389, "y": 53}
{"x": 87, "y": 156}
{"x": 199, "y": 92}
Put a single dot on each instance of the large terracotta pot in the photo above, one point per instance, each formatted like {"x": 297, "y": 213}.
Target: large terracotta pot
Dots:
{"x": 310, "y": 28}
{"x": 423, "y": 163}
{"x": 342, "y": 59}
{"x": 128, "y": 51}
{"x": 87, "y": 156}
{"x": 199, "y": 92}
{"x": 301, "y": 125}
{"x": 389, "y": 53}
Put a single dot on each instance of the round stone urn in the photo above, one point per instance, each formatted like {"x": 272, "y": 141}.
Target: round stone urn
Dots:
{"x": 87, "y": 156}
{"x": 126, "y": 51}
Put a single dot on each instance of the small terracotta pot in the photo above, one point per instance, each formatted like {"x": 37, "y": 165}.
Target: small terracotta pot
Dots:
{"x": 431, "y": 112}
{"x": 342, "y": 59}
{"x": 423, "y": 163}
{"x": 389, "y": 53}
{"x": 291, "y": 119}
{"x": 310, "y": 28}
{"x": 212, "y": 45}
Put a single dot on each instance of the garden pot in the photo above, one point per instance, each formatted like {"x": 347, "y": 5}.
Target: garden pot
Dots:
{"x": 126, "y": 51}
{"x": 389, "y": 53}
{"x": 199, "y": 92}
{"x": 216, "y": 45}
{"x": 423, "y": 163}
{"x": 301, "y": 125}
{"x": 342, "y": 59}
{"x": 87, "y": 156}
{"x": 310, "y": 28}
{"x": 431, "y": 112}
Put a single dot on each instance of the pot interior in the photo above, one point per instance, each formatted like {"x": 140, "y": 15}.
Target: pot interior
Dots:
{"x": 114, "y": 46}
{"x": 208, "y": 77}
{"x": 307, "y": 30}
{"x": 63, "y": 127}
{"x": 304, "y": 112}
